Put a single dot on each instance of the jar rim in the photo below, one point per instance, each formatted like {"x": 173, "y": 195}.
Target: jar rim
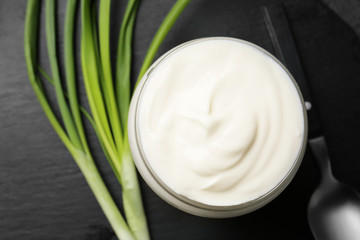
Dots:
{"x": 207, "y": 209}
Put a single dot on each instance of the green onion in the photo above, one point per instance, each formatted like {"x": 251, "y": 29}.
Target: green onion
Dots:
{"x": 104, "y": 40}
{"x": 108, "y": 99}
{"x": 96, "y": 72}
{"x": 83, "y": 159}
{"x": 123, "y": 63}
{"x": 160, "y": 35}
{"x": 70, "y": 70}
{"x": 89, "y": 118}
{"x": 134, "y": 211}
{"x": 51, "y": 43}
{"x": 91, "y": 73}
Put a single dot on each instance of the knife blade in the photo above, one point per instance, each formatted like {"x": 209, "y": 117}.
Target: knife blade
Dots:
{"x": 285, "y": 50}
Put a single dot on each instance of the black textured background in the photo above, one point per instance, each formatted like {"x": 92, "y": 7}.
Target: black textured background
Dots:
{"x": 44, "y": 196}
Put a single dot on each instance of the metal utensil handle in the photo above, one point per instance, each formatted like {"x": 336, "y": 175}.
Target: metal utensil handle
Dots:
{"x": 319, "y": 148}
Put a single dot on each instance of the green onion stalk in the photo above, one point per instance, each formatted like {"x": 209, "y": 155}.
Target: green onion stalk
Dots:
{"x": 108, "y": 97}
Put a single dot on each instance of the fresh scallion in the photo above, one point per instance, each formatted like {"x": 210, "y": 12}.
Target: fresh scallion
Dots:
{"x": 108, "y": 97}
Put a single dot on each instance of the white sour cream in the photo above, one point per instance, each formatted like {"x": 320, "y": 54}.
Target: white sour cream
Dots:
{"x": 220, "y": 122}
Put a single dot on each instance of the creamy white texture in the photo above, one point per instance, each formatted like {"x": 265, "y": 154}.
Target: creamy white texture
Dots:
{"x": 220, "y": 122}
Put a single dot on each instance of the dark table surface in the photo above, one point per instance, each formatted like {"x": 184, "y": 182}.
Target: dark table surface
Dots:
{"x": 44, "y": 196}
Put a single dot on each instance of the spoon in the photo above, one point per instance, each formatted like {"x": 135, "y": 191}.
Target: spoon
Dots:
{"x": 334, "y": 208}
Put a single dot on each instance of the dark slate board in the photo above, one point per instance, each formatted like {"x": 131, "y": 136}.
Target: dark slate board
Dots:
{"x": 44, "y": 196}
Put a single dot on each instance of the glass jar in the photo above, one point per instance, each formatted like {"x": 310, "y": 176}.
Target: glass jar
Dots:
{"x": 179, "y": 201}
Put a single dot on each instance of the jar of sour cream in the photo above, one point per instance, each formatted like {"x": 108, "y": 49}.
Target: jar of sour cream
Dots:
{"x": 217, "y": 127}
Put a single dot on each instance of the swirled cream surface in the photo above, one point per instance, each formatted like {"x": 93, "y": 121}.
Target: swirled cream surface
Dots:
{"x": 220, "y": 122}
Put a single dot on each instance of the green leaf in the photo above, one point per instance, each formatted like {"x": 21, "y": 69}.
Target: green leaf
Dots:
{"x": 160, "y": 35}
{"x": 104, "y": 40}
{"x": 30, "y": 48}
{"x": 70, "y": 70}
{"x": 51, "y": 43}
{"x": 92, "y": 85}
{"x": 91, "y": 120}
{"x": 123, "y": 63}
